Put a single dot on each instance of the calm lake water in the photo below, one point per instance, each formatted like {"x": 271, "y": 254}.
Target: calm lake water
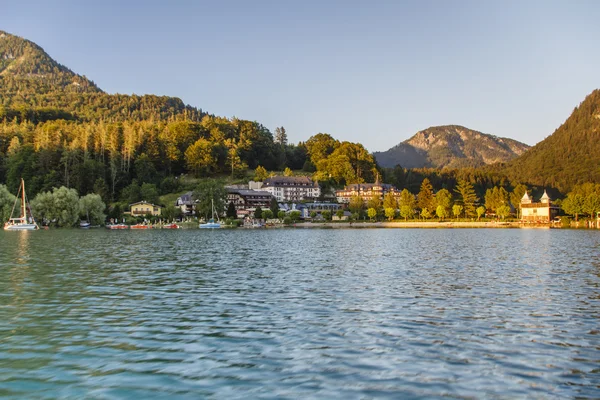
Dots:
{"x": 313, "y": 313}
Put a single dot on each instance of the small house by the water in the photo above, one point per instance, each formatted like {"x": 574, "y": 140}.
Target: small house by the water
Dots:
{"x": 144, "y": 208}
{"x": 542, "y": 211}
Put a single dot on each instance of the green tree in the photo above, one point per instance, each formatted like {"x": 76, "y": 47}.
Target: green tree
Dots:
{"x": 171, "y": 213}
{"x": 389, "y": 201}
{"x": 407, "y": 211}
{"x": 59, "y": 207}
{"x": 7, "y": 201}
{"x": 573, "y": 205}
{"x": 200, "y": 156}
{"x": 295, "y": 215}
{"x": 340, "y": 214}
{"x": 326, "y": 215}
{"x": 375, "y": 203}
{"x": 267, "y": 214}
{"x": 91, "y": 207}
{"x": 231, "y": 211}
{"x": 407, "y": 204}
{"x": 591, "y": 204}
{"x": 480, "y": 211}
{"x": 281, "y": 214}
{"x": 443, "y": 198}
{"x": 390, "y": 213}
{"x": 281, "y": 136}
{"x": 371, "y": 213}
{"x": 467, "y": 196}
{"x": 425, "y": 197}
{"x": 207, "y": 193}
{"x": 274, "y": 206}
{"x": 288, "y": 172}
{"x": 313, "y": 214}
{"x": 503, "y": 211}
{"x": 260, "y": 174}
{"x": 425, "y": 213}
{"x": 258, "y": 212}
{"x": 356, "y": 204}
{"x": 441, "y": 212}
{"x": 495, "y": 198}
{"x": 149, "y": 193}
{"x": 457, "y": 210}
{"x": 516, "y": 195}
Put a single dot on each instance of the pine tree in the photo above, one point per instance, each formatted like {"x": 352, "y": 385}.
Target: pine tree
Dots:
{"x": 467, "y": 196}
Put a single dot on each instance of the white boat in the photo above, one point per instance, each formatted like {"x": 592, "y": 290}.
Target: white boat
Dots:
{"x": 21, "y": 223}
{"x": 211, "y": 224}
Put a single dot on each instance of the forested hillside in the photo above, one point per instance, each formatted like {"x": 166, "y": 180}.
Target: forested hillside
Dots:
{"x": 570, "y": 156}
{"x": 58, "y": 128}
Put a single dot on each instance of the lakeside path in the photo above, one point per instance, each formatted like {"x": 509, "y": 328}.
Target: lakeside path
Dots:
{"x": 413, "y": 224}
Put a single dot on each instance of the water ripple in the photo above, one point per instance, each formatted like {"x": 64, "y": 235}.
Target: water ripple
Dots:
{"x": 300, "y": 313}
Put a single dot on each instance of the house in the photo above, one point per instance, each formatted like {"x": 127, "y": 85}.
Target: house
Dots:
{"x": 185, "y": 203}
{"x": 244, "y": 199}
{"x": 291, "y": 188}
{"x": 366, "y": 190}
{"x": 542, "y": 211}
{"x": 142, "y": 208}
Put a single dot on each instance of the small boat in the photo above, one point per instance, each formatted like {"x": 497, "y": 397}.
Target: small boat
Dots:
{"x": 141, "y": 226}
{"x": 211, "y": 224}
{"x": 171, "y": 226}
{"x": 84, "y": 224}
{"x": 117, "y": 226}
{"x": 23, "y": 222}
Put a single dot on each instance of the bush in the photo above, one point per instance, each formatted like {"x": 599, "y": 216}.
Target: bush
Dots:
{"x": 565, "y": 221}
{"x": 287, "y": 220}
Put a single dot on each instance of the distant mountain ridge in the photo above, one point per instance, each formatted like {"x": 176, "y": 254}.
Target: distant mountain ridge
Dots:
{"x": 571, "y": 155}
{"x": 451, "y": 146}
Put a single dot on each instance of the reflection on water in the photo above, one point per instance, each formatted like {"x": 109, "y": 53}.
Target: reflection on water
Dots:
{"x": 300, "y": 313}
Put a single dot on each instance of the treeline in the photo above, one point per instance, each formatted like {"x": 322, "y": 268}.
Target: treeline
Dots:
{"x": 61, "y": 207}
{"x": 460, "y": 202}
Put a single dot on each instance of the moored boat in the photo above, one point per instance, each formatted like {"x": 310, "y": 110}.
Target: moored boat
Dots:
{"x": 171, "y": 226}
{"x": 23, "y": 222}
{"x": 211, "y": 224}
{"x": 117, "y": 226}
{"x": 140, "y": 226}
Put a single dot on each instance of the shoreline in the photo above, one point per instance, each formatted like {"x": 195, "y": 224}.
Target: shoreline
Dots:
{"x": 418, "y": 224}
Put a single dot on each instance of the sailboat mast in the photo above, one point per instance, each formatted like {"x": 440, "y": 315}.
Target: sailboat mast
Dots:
{"x": 23, "y": 208}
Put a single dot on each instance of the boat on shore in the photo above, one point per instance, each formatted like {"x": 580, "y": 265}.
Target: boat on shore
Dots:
{"x": 140, "y": 226}
{"x": 23, "y": 222}
{"x": 171, "y": 226}
{"x": 117, "y": 226}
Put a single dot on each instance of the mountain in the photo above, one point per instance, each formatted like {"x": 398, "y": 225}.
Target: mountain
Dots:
{"x": 569, "y": 156}
{"x": 26, "y": 67}
{"x": 36, "y": 88}
{"x": 450, "y": 146}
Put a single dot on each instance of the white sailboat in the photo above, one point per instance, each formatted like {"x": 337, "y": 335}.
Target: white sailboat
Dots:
{"x": 211, "y": 222}
{"x": 21, "y": 223}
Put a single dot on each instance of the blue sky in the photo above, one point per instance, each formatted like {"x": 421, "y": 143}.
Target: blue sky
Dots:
{"x": 370, "y": 72}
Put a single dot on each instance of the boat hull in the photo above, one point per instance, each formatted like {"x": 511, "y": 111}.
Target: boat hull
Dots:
{"x": 210, "y": 225}
{"x": 20, "y": 227}
{"x": 141, "y": 227}
{"x": 118, "y": 226}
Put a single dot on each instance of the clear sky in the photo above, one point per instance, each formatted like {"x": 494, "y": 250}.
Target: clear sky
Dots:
{"x": 370, "y": 72}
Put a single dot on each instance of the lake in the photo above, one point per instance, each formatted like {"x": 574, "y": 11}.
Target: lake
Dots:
{"x": 300, "y": 313}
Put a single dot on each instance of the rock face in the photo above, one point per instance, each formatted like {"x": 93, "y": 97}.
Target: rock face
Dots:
{"x": 451, "y": 146}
